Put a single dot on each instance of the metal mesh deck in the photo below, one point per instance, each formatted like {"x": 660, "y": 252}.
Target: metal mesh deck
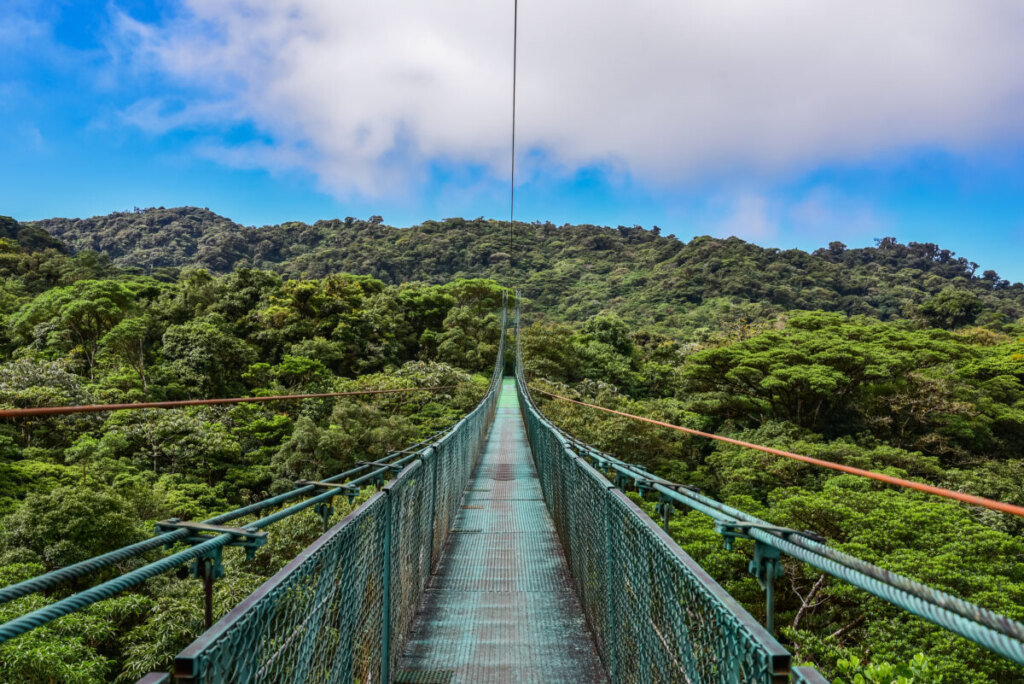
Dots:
{"x": 500, "y": 606}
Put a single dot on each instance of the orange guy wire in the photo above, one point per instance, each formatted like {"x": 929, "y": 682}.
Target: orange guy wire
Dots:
{"x": 888, "y": 479}
{"x": 94, "y": 408}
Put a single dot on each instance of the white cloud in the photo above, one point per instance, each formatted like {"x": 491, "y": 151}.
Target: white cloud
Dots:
{"x": 825, "y": 211}
{"x": 18, "y": 28}
{"x": 367, "y": 93}
{"x": 749, "y": 216}
{"x": 821, "y": 212}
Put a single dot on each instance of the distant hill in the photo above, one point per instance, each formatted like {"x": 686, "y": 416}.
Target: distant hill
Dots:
{"x": 574, "y": 271}
{"x": 30, "y": 238}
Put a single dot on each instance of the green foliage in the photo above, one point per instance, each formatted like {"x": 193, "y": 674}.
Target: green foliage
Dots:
{"x": 203, "y": 356}
{"x": 709, "y": 286}
{"x": 76, "y": 486}
{"x": 951, "y": 308}
{"x": 73, "y": 318}
{"x": 895, "y": 358}
{"x": 69, "y": 524}
{"x": 917, "y": 671}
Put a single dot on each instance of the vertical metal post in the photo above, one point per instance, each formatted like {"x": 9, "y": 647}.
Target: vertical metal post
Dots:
{"x": 432, "y": 455}
{"x": 385, "y": 631}
{"x": 207, "y": 590}
{"x": 766, "y": 567}
{"x": 609, "y": 589}
{"x": 325, "y": 509}
{"x": 666, "y": 509}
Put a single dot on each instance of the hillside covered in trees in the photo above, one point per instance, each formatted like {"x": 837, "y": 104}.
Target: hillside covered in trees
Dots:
{"x": 899, "y": 358}
{"x": 572, "y": 271}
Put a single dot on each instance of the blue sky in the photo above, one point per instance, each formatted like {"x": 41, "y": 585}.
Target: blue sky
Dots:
{"x": 814, "y": 123}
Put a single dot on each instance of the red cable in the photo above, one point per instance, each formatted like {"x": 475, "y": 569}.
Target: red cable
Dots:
{"x": 93, "y": 408}
{"x": 930, "y": 489}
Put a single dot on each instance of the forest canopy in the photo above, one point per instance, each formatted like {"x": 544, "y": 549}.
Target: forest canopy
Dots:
{"x": 899, "y": 358}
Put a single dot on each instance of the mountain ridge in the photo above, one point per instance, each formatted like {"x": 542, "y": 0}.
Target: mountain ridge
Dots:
{"x": 574, "y": 271}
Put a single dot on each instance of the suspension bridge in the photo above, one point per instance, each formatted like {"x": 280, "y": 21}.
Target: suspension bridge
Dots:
{"x": 500, "y": 550}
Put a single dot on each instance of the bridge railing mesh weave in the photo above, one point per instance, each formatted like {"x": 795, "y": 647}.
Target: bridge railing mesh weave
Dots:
{"x": 656, "y": 615}
{"x": 339, "y": 611}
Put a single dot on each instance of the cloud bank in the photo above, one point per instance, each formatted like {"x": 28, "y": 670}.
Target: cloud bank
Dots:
{"x": 369, "y": 95}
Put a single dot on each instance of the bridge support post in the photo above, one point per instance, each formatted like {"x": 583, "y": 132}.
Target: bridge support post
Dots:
{"x": 385, "y": 625}
{"x": 430, "y": 457}
{"x": 665, "y": 508}
{"x": 766, "y": 567}
{"x": 609, "y": 589}
{"x": 324, "y": 510}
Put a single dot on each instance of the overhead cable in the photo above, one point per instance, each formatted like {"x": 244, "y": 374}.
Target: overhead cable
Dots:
{"x": 881, "y": 477}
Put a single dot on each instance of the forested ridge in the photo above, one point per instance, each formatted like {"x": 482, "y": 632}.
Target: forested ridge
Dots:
{"x": 898, "y": 358}
{"x": 572, "y": 271}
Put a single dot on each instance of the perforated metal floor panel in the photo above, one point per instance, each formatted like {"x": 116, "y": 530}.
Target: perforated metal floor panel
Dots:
{"x": 500, "y": 607}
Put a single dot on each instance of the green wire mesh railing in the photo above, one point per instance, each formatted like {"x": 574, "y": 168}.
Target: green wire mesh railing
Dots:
{"x": 655, "y": 614}
{"x": 340, "y": 610}
{"x": 321, "y": 612}
{"x": 565, "y": 459}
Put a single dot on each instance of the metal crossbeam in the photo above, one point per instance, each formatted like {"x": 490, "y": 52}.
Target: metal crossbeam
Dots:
{"x": 172, "y": 524}
{"x": 326, "y": 486}
{"x": 383, "y": 464}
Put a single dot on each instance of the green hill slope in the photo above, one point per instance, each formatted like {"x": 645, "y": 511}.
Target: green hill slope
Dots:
{"x": 573, "y": 271}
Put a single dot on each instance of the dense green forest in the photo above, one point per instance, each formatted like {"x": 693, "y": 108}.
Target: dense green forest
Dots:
{"x": 573, "y": 272}
{"x": 899, "y": 358}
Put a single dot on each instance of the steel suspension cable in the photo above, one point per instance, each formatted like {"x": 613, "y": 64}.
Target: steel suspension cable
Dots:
{"x": 888, "y": 479}
{"x": 512, "y": 175}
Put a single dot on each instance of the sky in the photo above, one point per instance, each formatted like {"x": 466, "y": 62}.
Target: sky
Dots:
{"x": 790, "y": 123}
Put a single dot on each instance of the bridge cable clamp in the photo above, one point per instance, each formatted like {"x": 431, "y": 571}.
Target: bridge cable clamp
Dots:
{"x": 324, "y": 509}
{"x": 733, "y": 529}
{"x": 766, "y": 565}
{"x": 250, "y": 540}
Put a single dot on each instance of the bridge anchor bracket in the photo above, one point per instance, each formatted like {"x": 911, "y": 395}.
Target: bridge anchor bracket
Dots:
{"x": 210, "y": 565}
{"x": 324, "y": 508}
{"x": 740, "y": 529}
{"x": 250, "y": 540}
{"x": 766, "y": 565}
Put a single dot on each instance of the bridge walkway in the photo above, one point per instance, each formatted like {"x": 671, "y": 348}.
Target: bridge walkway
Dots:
{"x": 500, "y": 606}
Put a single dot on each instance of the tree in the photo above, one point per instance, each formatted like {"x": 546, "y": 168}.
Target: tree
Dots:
{"x": 69, "y": 524}
{"x": 205, "y": 357}
{"x": 75, "y": 317}
{"x": 82, "y": 452}
{"x": 469, "y": 340}
{"x": 312, "y": 452}
{"x": 951, "y": 309}
{"x": 126, "y": 341}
